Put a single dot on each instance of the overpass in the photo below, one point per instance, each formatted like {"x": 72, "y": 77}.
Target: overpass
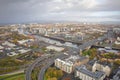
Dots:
{"x": 90, "y": 43}
{"x": 51, "y": 61}
{"x": 31, "y": 67}
{"x": 81, "y": 47}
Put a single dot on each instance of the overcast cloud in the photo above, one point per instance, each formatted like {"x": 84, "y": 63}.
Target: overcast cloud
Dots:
{"x": 17, "y": 11}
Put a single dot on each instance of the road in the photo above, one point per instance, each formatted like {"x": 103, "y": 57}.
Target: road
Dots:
{"x": 51, "y": 61}
{"x": 90, "y": 43}
{"x": 82, "y": 47}
{"x": 31, "y": 67}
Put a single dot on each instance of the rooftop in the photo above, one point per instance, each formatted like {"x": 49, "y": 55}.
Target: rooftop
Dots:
{"x": 72, "y": 59}
{"x": 96, "y": 75}
{"x": 51, "y": 47}
{"x": 104, "y": 63}
{"x": 91, "y": 62}
{"x": 107, "y": 50}
{"x": 1, "y": 47}
{"x": 8, "y": 44}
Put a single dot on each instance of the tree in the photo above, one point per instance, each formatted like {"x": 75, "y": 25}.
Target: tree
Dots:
{"x": 60, "y": 73}
{"x": 92, "y": 53}
{"x": 53, "y": 73}
{"x": 117, "y": 62}
{"x": 54, "y": 78}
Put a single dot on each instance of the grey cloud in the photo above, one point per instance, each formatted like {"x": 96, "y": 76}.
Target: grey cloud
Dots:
{"x": 28, "y": 10}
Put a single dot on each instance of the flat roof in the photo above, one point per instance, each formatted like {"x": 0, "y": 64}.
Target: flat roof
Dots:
{"x": 55, "y": 48}
{"x": 97, "y": 74}
{"x": 1, "y": 47}
{"x": 72, "y": 59}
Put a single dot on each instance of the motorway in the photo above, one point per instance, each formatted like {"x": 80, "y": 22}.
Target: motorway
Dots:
{"x": 90, "y": 43}
{"x": 51, "y": 61}
{"x": 82, "y": 47}
{"x": 31, "y": 67}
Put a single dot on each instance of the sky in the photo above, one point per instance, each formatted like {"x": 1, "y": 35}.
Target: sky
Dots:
{"x": 23, "y": 11}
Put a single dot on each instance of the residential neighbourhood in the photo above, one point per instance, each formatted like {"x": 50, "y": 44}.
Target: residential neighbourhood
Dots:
{"x": 80, "y": 53}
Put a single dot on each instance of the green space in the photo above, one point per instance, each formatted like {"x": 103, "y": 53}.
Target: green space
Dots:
{"x": 9, "y": 61}
{"x": 92, "y": 53}
{"x": 116, "y": 46}
{"x": 114, "y": 57}
{"x": 20, "y": 76}
{"x": 10, "y": 64}
{"x": 110, "y": 56}
{"x": 53, "y": 73}
{"x": 18, "y": 36}
{"x": 106, "y": 57}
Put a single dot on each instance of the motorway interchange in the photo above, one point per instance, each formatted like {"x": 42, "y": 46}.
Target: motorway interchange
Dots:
{"x": 51, "y": 58}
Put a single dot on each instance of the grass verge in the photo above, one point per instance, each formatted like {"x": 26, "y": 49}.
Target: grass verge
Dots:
{"x": 20, "y": 76}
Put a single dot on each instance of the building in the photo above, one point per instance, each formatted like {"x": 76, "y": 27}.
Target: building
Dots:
{"x": 84, "y": 74}
{"x": 109, "y": 50}
{"x": 117, "y": 42}
{"x": 25, "y": 41}
{"x": 90, "y": 64}
{"x": 6, "y": 43}
{"x": 12, "y": 54}
{"x": 58, "y": 49}
{"x": 22, "y": 51}
{"x": 68, "y": 65}
{"x": 1, "y": 47}
{"x": 102, "y": 66}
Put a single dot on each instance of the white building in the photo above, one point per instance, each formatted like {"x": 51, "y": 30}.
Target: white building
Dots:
{"x": 117, "y": 76}
{"x": 98, "y": 66}
{"x": 22, "y": 51}
{"x": 84, "y": 74}
{"x": 108, "y": 50}
{"x": 12, "y": 54}
{"x": 24, "y": 41}
{"x": 68, "y": 65}
{"x": 1, "y": 47}
{"x": 58, "y": 49}
{"x": 117, "y": 42}
{"x": 8, "y": 44}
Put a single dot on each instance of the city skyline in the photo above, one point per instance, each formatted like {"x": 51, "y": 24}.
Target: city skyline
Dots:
{"x": 21, "y": 11}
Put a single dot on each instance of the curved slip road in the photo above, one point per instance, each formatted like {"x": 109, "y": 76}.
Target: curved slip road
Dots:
{"x": 44, "y": 68}
{"x": 31, "y": 67}
{"x": 82, "y": 47}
